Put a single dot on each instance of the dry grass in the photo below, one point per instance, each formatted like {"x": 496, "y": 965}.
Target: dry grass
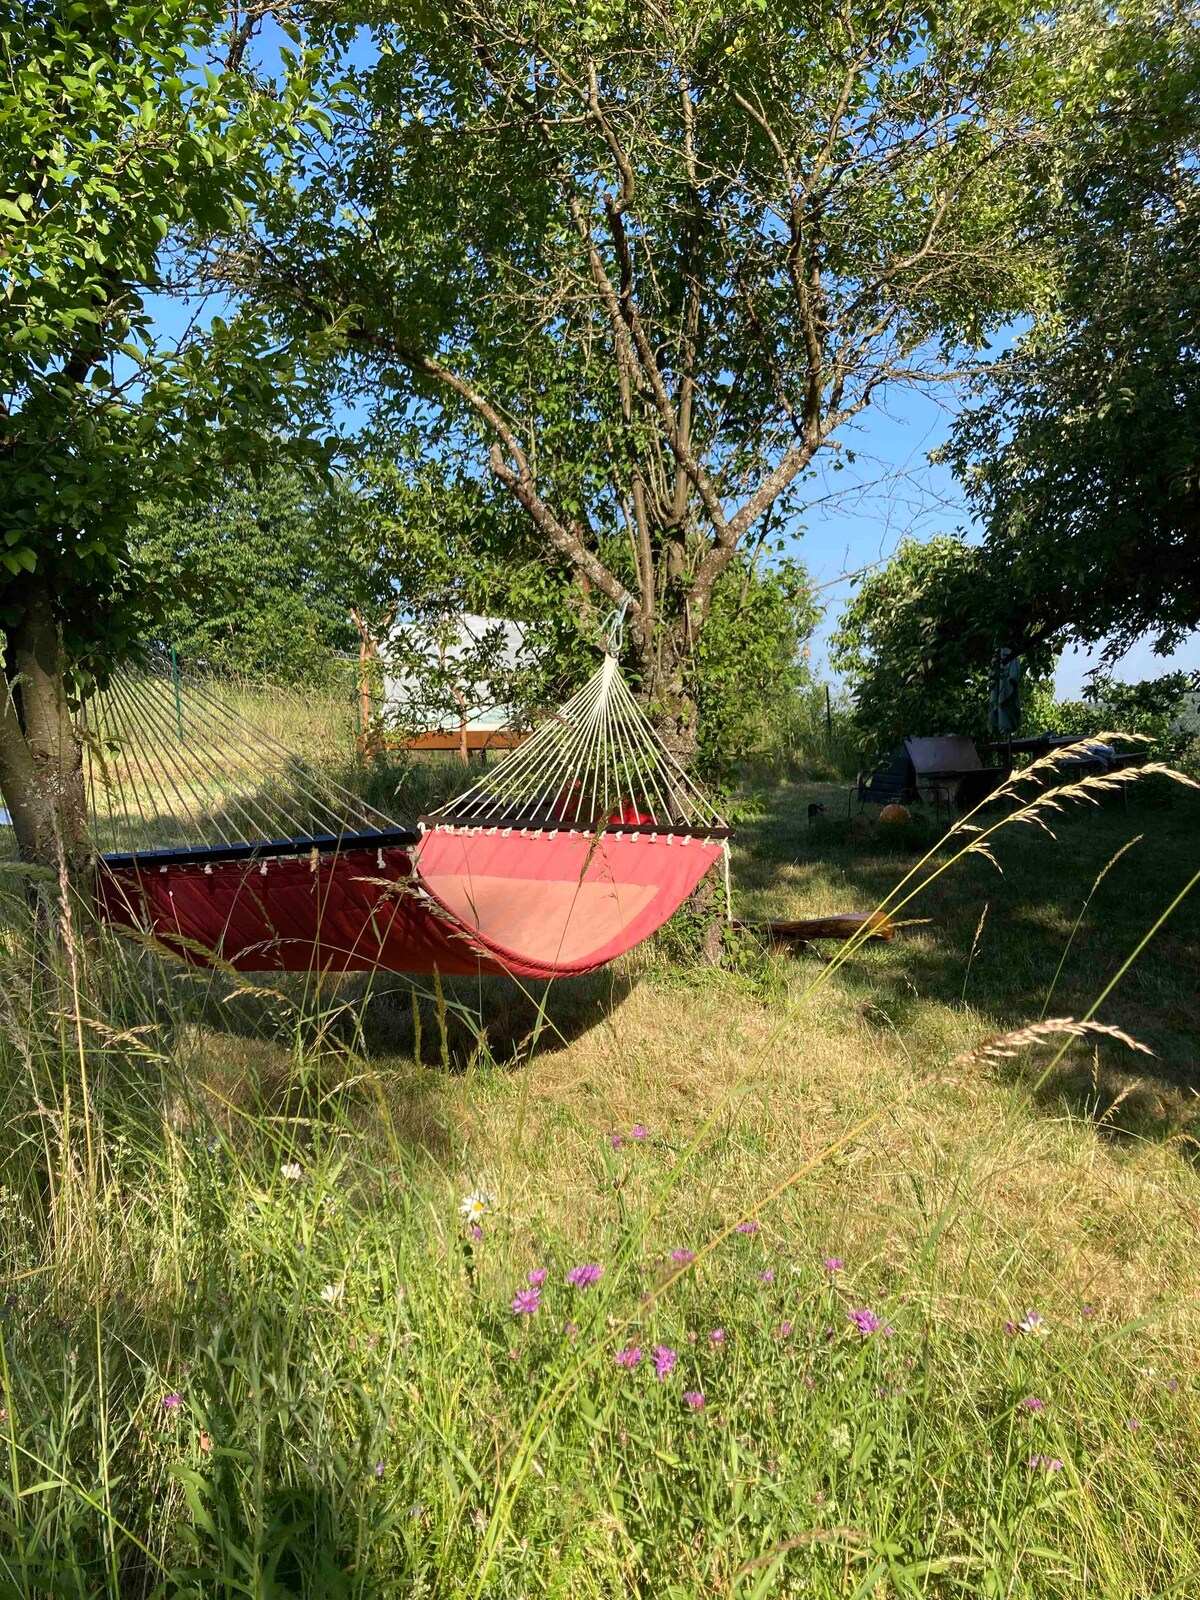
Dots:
{"x": 962, "y": 1188}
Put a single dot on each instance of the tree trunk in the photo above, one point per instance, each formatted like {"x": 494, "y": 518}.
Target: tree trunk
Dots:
{"x": 668, "y": 699}
{"x": 41, "y": 754}
{"x": 672, "y": 709}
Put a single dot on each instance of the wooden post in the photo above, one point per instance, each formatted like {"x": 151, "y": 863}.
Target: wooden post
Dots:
{"x": 364, "y": 694}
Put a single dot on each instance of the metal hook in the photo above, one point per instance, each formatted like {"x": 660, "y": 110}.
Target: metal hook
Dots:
{"x": 614, "y": 636}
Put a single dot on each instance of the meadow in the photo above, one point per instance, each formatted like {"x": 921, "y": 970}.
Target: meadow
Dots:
{"x": 765, "y": 1280}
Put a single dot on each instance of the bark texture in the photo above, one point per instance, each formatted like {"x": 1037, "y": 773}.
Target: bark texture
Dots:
{"x": 41, "y": 753}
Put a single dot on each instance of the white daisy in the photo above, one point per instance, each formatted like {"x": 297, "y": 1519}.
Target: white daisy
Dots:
{"x": 476, "y": 1205}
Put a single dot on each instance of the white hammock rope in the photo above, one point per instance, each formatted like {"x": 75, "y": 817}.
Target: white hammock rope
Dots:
{"x": 596, "y": 763}
{"x": 173, "y": 766}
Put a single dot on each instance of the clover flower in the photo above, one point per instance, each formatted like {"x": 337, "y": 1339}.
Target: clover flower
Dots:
{"x": 766, "y": 1277}
{"x": 683, "y": 1257}
{"x": 582, "y": 1277}
{"x": 693, "y": 1399}
{"x": 717, "y": 1338}
{"x": 172, "y": 1402}
{"x": 867, "y": 1323}
{"x": 749, "y": 1226}
{"x": 1032, "y": 1403}
{"x": 292, "y": 1171}
{"x": 526, "y": 1302}
{"x": 833, "y": 1264}
{"x": 664, "y": 1361}
{"x": 1045, "y": 1463}
{"x": 638, "y": 1132}
{"x": 629, "y": 1357}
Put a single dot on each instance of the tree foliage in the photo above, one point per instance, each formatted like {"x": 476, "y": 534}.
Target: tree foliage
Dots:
{"x": 751, "y": 662}
{"x": 251, "y": 576}
{"x": 917, "y": 640}
{"x": 632, "y": 267}
{"x": 121, "y": 126}
{"x": 1082, "y": 454}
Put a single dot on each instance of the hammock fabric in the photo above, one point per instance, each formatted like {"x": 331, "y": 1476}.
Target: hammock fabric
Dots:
{"x": 572, "y": 850}
{"x": 530, "y": 904}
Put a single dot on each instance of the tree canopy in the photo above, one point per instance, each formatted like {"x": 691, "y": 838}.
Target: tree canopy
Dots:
{"x": 1081, "y": 455}
{"x": 122, "y": 127}
{"x": 252, "y": 576}
{"x": 633, "y": 267}
{"x": 917, "y": 644}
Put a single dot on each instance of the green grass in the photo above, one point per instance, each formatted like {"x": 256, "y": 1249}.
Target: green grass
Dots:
{"x": 361, "y": 1413}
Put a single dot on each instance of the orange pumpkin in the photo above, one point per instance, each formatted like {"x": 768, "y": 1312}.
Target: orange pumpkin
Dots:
{"x": 895, "y": 812}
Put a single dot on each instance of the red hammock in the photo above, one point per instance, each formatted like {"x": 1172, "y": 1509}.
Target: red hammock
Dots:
{"x": 528, "y": 902}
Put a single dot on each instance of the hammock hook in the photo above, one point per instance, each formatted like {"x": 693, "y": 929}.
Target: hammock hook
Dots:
{"x": 614, "y": 633}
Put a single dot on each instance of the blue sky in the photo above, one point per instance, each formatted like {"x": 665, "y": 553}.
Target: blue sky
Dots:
{"x": 892, "y": 492}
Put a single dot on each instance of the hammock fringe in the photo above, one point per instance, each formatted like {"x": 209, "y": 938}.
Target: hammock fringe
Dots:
{"x": 215, "y": 838}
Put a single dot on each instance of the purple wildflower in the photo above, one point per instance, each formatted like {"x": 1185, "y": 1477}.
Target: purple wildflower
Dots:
{"x": 379, "y": 1469}
{"x": 664, "y": 1361}
{"x": 693, "y": 1399}
{"x": 1032, "y": 1322}
{"x": 1032, "y": 1403}
{"x": 1010, "y": 1326}
{"x": 1089, "y": 1311}
{"x": 476, "y": 1232}
{"x": 833, "y": 1264}
{"x": 537, "y": 1277}
{"x": 683, "y": 1257}
{"x": 614, "y": 1139}
{"x": 867, "y": 1322}
{"x": 581, "y": 1277}
{"x": 748, "y": 1227}
{"x": 717, "y": 1338}
{"x": 571, "y": 1330}
{"x": 785, "y": 1330}
{"x": 1132, "y": 1424}
{"x": 638, "y": 1132}
{"x": 766, "y": 1277}
{"x": 172, "y": 1402}
{"x": 1045, "y": 1463}
{"x": 629, "y": 1357}
{"x": 527, "y": 1301}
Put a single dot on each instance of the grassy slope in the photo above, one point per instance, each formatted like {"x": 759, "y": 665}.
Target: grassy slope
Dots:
{"x": 362, "y": 1413}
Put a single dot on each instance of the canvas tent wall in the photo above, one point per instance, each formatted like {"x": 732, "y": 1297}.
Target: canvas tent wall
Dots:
{"x": 459, "y": 644}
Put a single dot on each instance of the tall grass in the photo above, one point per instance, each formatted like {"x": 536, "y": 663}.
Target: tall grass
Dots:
{"x": 250, "y": 1345}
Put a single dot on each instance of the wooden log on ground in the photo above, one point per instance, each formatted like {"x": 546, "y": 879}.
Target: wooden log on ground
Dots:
{"x": 840, "y": 926}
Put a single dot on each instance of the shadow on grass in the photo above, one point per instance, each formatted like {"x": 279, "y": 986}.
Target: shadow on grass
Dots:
{"x": 997, "y": 934}
{"x": 453, "y": 1023}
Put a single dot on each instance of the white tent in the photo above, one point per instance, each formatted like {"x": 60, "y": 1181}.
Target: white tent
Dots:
{"x": 402, "y": 684}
